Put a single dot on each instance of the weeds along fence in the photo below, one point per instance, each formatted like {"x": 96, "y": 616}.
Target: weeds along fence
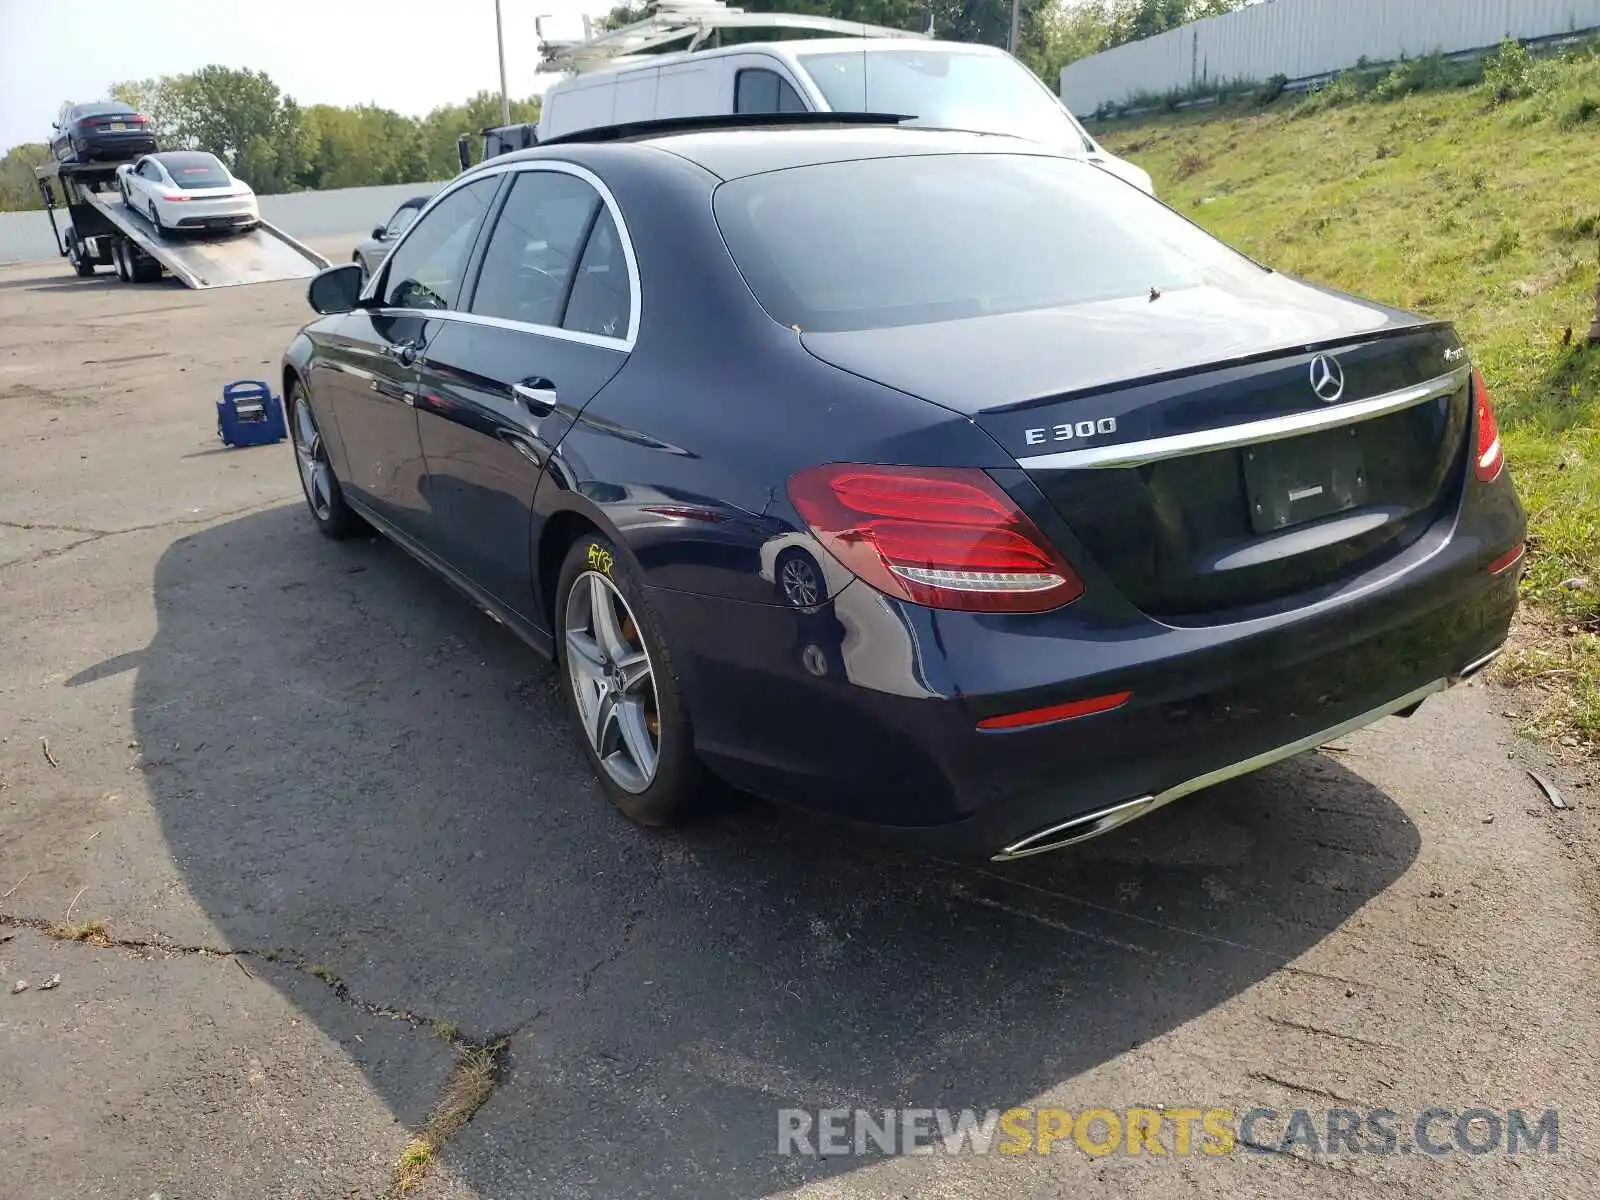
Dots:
{"x": 1304, "y": 41}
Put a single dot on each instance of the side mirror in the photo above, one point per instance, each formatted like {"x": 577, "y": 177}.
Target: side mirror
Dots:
{"x": 462, "y": 153}
{"x": 335, "y": 289}
{"x": 377, "y": 231}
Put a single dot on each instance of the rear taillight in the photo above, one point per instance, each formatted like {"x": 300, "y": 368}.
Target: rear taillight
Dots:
{"x": 1491, "y": 457}
{"x": 944, "y": 537}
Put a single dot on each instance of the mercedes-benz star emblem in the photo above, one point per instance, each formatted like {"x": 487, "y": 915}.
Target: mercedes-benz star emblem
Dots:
{"x": 1327, "y": 378}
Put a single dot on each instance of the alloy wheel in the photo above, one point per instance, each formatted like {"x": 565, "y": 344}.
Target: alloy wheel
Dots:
{"x": 315, "y": 473}
{"x": 613, "y": 682}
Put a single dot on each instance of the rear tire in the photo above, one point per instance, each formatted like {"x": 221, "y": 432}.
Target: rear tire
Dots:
{"x": 623, "y": 689}
{"x": 325, "y": 499}
{"x": 155, "y": 221}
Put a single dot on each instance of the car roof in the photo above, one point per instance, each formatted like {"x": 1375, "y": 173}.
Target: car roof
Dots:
{"x": 732, "y": 153}
{"x": 786, "y": 48}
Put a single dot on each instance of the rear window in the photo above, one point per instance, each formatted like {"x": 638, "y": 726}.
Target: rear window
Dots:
{"x": 196, "y": 171}
{"x": 917, "y": 239}
{"x": 100, "y": 110}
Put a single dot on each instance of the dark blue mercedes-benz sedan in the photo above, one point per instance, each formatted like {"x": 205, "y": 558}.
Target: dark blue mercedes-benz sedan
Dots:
{"x": 925, "y": 479}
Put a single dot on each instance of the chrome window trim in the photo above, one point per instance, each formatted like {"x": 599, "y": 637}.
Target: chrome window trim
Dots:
{"x": 1250, "y": 433}
{"x": 635, "y": 299}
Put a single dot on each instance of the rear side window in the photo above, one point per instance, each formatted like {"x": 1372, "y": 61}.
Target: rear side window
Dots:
{"x": 917, "y": 239}
{"x": 758, "y": 91}
{"x": 426, "y": 269}
{"x": 534, "y": 248}
{"x": 601, "y": 293}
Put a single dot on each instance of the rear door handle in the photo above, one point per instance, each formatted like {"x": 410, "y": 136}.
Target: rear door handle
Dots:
{"x": 538, "y": 396}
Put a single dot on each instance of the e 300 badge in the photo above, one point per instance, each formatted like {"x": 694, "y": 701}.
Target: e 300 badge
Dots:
{"x": 1072, "y": 431}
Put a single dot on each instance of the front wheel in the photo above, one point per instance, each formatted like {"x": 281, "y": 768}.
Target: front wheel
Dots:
{"x": 334, "y": 518}
{"x": 622, "y": 688}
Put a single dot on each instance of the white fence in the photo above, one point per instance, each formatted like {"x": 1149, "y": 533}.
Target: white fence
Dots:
{"x": 26, "y": 235}
{"x": 1302, "y": 39}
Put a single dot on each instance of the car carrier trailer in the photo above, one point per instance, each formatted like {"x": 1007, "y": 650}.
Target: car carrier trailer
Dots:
{"x": 104, "y": 232}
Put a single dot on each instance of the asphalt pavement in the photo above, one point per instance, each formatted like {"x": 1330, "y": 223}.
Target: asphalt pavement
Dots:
{"x": 314, "y": 828}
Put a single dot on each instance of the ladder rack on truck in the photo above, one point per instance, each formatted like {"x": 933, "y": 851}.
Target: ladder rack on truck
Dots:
{"x": 102, "y": 231}
{"x": 669, "y": 21}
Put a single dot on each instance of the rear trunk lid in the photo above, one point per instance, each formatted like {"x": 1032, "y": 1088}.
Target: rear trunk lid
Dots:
{"x": 1212, "y": 451}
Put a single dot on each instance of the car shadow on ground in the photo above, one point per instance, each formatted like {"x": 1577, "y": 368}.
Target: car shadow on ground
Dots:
{"x": 351, "y": 762}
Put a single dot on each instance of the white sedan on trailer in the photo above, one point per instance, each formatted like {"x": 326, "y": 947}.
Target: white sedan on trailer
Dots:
{"x": 187, "y": 190}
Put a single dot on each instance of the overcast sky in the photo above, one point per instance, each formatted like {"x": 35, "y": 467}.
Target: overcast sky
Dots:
{"x": 408, "y": 55}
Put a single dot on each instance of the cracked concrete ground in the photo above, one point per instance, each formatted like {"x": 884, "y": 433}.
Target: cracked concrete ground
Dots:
{"x": 328, "y": 812}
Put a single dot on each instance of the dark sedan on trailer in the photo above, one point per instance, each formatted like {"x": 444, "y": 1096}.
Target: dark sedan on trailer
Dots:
{"x": 920, "y": 478}
{"x": 105, "y": 129}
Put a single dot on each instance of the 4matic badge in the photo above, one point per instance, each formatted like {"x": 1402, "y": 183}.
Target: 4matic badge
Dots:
{"x": 1070, "y": 432}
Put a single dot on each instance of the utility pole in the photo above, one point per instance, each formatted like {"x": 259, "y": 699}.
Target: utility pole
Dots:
{"x": 500, "y": 40}
{"x": 1016, "y": 18}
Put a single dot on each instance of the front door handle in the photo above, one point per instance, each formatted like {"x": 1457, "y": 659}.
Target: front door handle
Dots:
{"x": 538, "y": 396}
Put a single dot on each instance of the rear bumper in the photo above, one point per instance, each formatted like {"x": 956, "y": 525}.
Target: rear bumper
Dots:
{"x": 235, "y": 221}
{"x": 108, "y": 146}
{"x": 209, "y": 214}
{"x": 866, "y": 709}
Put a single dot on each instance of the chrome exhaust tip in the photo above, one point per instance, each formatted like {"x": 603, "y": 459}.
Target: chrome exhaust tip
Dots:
{"x": 1079, "y": 829}
{"x": 1477, "y": 664}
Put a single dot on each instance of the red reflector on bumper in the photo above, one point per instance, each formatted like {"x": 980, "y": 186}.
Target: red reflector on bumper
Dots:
{"x": 1508, "y": 560}
{"x": 1056, "y": 712}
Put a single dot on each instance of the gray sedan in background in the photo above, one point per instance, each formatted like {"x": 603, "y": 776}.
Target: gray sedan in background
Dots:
{"x": 371, "y": 251}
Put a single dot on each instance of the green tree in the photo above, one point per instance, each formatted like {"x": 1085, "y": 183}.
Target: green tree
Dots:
{"x": 440, "y": 128}
{"x": 156, "y": 99}
{"x": 242, "y": 118}
{"x": 356, "y": 147}
{"x": 19, "y": 186}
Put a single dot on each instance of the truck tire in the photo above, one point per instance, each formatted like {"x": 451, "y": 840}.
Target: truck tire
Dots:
{"x": 76, "y": 255}
{"x": 143, "y": 268}
{"x": 119, "y": 256}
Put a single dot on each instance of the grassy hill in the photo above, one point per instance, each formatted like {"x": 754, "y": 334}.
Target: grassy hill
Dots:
{"x": 1478, "y": 201}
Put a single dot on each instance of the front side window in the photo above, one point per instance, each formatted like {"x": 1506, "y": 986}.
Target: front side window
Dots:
{"x": 758, "y": 91}
{"x": 917, "y": 239}
{"x": 425, "y": 270}
{"x": 401, "y": 221}
{"x": 946, "y": 89}
{"x": 536, "y": 243}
